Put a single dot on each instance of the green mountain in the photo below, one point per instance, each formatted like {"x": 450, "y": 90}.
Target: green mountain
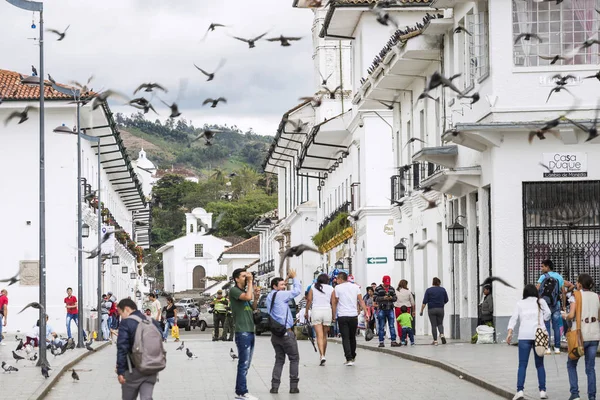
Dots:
{"x": 172, "y": 143}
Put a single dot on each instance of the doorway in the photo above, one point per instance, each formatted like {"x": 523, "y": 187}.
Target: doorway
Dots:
{"x": 199, "y": 275}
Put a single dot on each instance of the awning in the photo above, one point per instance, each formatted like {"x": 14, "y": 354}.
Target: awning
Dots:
{"x": 442, "y": 155}
{"x": 456, "y": 182}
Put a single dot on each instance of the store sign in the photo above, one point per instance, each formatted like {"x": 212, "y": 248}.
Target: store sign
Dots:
{"x": 565, "y": 165}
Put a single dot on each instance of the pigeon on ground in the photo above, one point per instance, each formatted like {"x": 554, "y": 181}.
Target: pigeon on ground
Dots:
{"x": 89, "y": 347}
{"x": 45, "y": 371}
{"x": 190, "y": 354}
{"x": 34, "y": 358}
{"x": 17, "y": 357}
{"x": 490, "y": 279}
{"x": 8, "y": 368}
{"x": 20, "y": 345}
{"x": 74, "y": 376}
{"x": 232, "y": 354}
{"x": 181, "y": 346}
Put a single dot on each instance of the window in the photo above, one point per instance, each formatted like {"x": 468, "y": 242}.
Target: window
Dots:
{"x": 478, "y": 66}
{"x": 562, "y": 29}
{"x": 422, "y": 127}
{"x": 198, "y": 250}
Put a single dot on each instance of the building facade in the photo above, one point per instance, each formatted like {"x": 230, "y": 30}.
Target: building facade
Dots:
{"x": 420, "y": 166}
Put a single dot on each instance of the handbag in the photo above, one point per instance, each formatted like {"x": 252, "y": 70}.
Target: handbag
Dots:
{"x": 369, "y": 334}
{"x": 574, "y": 336}
{"x": 276, "y": 328}
{"x": 541, "y": 341}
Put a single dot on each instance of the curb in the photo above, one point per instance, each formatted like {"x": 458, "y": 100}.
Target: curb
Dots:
{"x": 453, "y": 369}
{"x": 43, "y": 390}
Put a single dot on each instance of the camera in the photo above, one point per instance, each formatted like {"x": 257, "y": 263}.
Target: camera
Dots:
{"x": 253, "y": 275}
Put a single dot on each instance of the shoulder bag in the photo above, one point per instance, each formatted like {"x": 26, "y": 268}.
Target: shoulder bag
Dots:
{"x": 574, "y": 336}
{"x": 276, "y": 328}
{"x": 541, "y": 341}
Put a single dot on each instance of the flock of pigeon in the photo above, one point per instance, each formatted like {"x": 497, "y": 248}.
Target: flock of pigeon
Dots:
{"x": 191, "y": 356}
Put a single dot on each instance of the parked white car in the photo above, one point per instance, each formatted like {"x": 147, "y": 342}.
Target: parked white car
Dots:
{"x": 185, "y": 302}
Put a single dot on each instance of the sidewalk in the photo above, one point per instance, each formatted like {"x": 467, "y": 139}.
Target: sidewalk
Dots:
{"x": 29, "y": 383}
{"x": 492, "y": 366}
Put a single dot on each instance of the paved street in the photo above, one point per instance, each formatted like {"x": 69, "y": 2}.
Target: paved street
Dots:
{"x": 212, "y": 376}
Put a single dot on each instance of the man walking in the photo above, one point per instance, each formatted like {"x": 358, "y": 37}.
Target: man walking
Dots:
{"x": 134, "y": 382}
{"x": 72, "y": 311}
{"x": 346, "y": 297}
{"x": 550, "y": 287}
{"x": 219, "y": 309}
{"x": 240, "y": 297}
{"x": 3, "y": 312}
{"x": 155, "y": 307}
{"x": 279, "y": 310}
{"x": 385, "y": 296}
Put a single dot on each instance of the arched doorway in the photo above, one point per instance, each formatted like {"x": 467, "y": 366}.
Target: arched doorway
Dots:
{"x": 198, "y": 277}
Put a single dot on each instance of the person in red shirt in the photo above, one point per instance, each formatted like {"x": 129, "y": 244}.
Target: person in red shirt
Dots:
{"x": 3, "y": 312}
{"x": 72, "y": 311}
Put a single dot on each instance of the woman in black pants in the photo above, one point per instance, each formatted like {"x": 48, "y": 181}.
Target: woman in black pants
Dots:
{"x": 435, "y": 298}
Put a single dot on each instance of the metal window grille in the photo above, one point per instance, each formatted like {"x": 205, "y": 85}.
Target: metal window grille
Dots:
{"x": 562, "y": 29}
{"x": 561, "y": 222}
{"x": 198, "y": 250}
{"x": 477, "y": 48}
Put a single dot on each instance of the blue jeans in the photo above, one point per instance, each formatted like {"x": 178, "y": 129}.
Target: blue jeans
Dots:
{"x": 590, "y": 363}
{"x": 556, "y": 322}
{"x": 245, "y": 347}
{"x": 168, "y": 325}
{"x": 391, "y": 319}
{"x": 407, "y": 331}
{"x": 525, "y": 347}
{"x": 71, "y": 317}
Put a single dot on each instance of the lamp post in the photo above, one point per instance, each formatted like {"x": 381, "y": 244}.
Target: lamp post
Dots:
{"x": 36, "y": 6}
{"x": 456, "y": 235}
{"x": 400, "y": 251}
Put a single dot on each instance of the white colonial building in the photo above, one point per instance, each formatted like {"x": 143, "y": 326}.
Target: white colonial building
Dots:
{"x": 189, "y": 260}
{"x": 477, "y": 162}
{"x": 120, "y": 193}
{"x": 241, "y": 255}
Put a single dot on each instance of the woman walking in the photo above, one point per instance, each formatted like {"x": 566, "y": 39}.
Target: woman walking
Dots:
{"x": 169, "y": 317}
{"x": 405, "y": 298}
{"x": 370, "y": 303}
{"x": 435, "y": 298}
{"x": 531, "y": 313}
{"x": 321, "y": 297}
{"x": 587, "y": 322}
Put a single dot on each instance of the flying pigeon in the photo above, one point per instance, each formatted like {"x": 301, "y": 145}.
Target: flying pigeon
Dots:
{"x": 421, "y": 245}
{"x": 490, "y": 279}
{"x": 296, "y": 251}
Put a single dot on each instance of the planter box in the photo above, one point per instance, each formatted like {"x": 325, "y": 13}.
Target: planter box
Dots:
{"x": 337, "y": 240}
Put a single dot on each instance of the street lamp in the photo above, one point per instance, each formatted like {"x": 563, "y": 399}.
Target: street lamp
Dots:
{"x": 76, "y": 94}
{"x": 400, "y": 251}
{"x": 36, "y": 6}
{"x": 456, "y": 235}
{"x": 339, "y": 264}
{"x": 85, "y": 230}
{"x": 138, "y": 294}
{"x": 115, "y": 260}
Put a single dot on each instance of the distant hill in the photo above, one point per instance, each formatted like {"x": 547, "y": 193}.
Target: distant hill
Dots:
{"x": 170, "y": 144}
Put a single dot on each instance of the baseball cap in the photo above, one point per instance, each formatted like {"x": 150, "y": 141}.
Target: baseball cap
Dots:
{"x": 386, "y": 280}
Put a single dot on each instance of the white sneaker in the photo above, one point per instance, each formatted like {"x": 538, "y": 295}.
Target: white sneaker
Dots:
{"x": 543, "y": 394}
{"x": 246, "y": 396}
{"x": 349, "y": 363}
{"x": 323, "y": 360}
{"x": 548, "y": 352}
{"x": 2, "y": 344}
{"x": 556, "y": 350}
{"x": 520, "y": 395}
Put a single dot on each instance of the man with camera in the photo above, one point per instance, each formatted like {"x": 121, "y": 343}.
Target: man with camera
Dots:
{"x": 243, "y": 299}
{"x": 219, "y": 310}
{"x": 283, "y": 338}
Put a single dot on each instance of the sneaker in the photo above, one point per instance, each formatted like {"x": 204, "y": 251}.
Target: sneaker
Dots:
{"x": 2, "y": 344}
{"x": 435, "y": 343}
{"x": 548, "y": 352}
{"x": 557, "y": 350}
{"x": 396, "y": 344}
{"x": 246, "y": 396}
{"x": 412, "y": 344}
{"x": 519, "y": 395}
{"x": 349, "y": 363}
{"x": 323, "y": 360}
{"x": 294, "y": 390}
{"x": 274, "y": 390}
{"x": 381, "y": 345}
{"x": 575, "y": 397}
{"x": 443, "y": 339}
{"x": 543, "y": 394}
{"x": 403, "y": 343}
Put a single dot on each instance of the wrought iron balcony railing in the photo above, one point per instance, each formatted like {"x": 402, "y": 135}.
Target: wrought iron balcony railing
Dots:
{"x": 266, "y": 267}
{"x": 411, "y": 177}
{"x": 346, "y": 207}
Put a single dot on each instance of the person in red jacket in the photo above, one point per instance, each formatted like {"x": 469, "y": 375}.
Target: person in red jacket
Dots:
{"x": 72, "y": 312}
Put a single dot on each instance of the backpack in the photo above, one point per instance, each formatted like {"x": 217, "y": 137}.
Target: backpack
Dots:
{"x": 549, "y": 290}
{"x": 148, "y": 354}
{"x": 275, "y": 327}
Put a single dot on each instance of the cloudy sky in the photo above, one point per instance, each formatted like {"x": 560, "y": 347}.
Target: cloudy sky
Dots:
{"x": 126, "y": 42}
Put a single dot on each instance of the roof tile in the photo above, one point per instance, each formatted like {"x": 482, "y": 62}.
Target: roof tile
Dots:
{"x": 248, "y": 246}
{"x": 11, "y": 88}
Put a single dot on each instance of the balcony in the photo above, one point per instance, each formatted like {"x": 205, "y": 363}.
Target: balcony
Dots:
{"x": 344, "y": 208}
{"x": 266, "y": 267}
{"x": 412, "y": 177}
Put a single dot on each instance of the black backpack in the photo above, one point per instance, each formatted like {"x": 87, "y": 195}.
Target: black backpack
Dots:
{"x": 275, "y": 327}
{"x": 550, "y": 290}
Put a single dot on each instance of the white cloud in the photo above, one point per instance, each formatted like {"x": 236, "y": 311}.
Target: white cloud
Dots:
{"x": 125, "y": 43}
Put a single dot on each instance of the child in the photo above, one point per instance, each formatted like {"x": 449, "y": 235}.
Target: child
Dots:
{"x": 148, "y": 312}
{"x": 405, "y": 321}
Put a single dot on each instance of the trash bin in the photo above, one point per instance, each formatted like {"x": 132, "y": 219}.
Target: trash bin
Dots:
{"x": 485, "y": 334}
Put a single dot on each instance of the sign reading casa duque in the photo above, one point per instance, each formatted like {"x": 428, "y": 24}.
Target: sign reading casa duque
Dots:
{"x": 565, "y": 165}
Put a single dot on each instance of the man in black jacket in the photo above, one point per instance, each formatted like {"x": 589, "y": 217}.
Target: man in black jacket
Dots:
{"x": 132, "y": 383}
{"x": 385, "y": 296}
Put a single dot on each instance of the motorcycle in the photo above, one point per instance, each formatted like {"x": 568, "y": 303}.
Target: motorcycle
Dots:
{"x": 194, "y": 322}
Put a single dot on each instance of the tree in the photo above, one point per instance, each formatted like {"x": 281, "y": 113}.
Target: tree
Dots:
{"x": 169, "y": 191}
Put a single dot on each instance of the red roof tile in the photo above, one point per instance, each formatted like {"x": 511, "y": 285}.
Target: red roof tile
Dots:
{"x": 248, "y": 246}
{"x": 12, "y": 88}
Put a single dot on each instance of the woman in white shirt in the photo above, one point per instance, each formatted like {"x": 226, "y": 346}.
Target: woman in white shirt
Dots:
{"x": 590, "y": 331}
{"x": 320, "y": 297}
{"x": 531, "y": 314}
{"x": 404, "y": 298}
